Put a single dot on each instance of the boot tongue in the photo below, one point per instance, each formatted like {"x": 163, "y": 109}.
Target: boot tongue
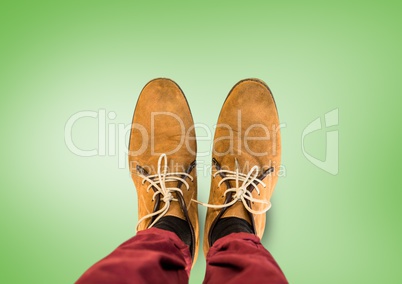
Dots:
{"x": 237, "y": 210}
{"x": 174, "y": 207}
{"x": 233, "y": 163}
{"x": 244, "y": 164}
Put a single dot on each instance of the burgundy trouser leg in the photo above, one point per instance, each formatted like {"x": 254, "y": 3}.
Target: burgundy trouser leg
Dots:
{"x": 241, "y": 258}
{"x": 152, "y": 256}
{"x": 159, "y": 256}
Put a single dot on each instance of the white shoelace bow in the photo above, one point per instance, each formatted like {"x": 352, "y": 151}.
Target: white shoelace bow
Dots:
{"x": 240, "y": 192}
{"x": 158, "y": 182}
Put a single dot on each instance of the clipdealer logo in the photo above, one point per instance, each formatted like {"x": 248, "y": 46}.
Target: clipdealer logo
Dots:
{"x": 112, "y": 137}
{"x": 330, "y": 164}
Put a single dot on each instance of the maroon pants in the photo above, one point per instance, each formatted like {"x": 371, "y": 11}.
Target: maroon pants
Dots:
{"x": 159, "y": 256}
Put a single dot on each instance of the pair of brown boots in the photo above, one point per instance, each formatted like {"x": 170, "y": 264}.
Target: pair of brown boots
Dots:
{"x": 245, "y": 158}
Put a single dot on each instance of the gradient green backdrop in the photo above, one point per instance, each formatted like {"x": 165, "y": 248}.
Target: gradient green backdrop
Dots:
{"x": 60, "y": 212}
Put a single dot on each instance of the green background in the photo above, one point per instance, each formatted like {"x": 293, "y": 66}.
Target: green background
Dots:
{"x": 60, "y": 212}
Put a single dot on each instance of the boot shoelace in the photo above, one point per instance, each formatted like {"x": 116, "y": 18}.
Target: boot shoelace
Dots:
{"x": 240, "y": 192}
{"x": 158, "y": 182}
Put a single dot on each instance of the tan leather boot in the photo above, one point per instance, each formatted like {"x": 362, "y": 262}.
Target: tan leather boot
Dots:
{"x": 246, "y": 158}
{"x": 162, "y": 154}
